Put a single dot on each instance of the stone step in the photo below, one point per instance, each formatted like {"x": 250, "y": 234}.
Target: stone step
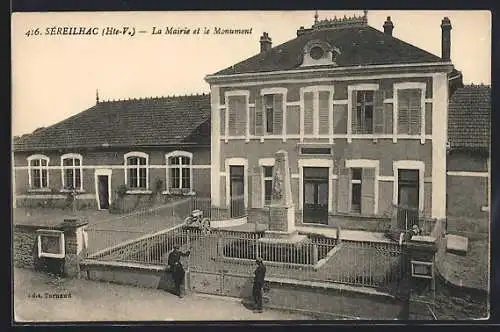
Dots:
{"x": 456, "y": 244}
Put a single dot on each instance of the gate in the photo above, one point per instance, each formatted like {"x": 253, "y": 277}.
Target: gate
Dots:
{"x": 210, "y": 273}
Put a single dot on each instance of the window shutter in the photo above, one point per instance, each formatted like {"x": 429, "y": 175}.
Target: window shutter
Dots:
{"x": 403, "y": 113}
{"x": 278, "y": 114}
{"x": 343, "y": 190}
{"x": 256, "y": 189}
{"x": 354, "y": 113}
{"x": 222, "y": 121}
{"x": 308, "y": 113}
{"x": 415, "y": 112}
{"x": 324, "y": 123}
{"x": 378, "y": 116}
{"x": 232, "y": 109}
{"x": 259, "y": 125}
{"x": 368, "y": 191}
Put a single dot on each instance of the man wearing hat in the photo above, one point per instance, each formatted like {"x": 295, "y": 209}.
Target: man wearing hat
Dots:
{"x": 258, "y": 284}
{"x": 175, "y": 265}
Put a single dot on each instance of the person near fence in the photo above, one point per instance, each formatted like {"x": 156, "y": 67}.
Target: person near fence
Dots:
{"x": 258, "y": 284}
{"x": 176, "y": 268}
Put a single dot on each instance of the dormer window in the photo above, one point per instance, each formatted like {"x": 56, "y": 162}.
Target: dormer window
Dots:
{"x": 318, "y": 53}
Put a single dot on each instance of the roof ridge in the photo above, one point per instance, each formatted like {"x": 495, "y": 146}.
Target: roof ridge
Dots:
{"x": 173, "y": 96}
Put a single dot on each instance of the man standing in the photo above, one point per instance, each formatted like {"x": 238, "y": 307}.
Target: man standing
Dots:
{"x": 176, "y": 268}
{"x": 258, "y": 284}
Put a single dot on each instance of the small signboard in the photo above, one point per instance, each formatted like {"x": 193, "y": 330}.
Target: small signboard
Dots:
{"x": 50, "y": 243}
{"x": 421, "y": 269}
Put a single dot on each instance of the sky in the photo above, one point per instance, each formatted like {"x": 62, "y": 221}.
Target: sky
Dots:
{"x": 56, "y": 76}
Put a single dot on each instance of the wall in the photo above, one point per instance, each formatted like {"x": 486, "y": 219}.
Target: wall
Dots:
{"x": 25, "y": 251}
{"x": 384, "y": 150}
{"x": 152, "y": 276}
{"x": 467, "y": 192}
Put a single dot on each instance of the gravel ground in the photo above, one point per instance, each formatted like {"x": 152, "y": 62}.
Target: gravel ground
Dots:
{"x": 97, "y": 301}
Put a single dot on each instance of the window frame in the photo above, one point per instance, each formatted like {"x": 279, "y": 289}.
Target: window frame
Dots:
{"x": 127, "y": 167}
{"x": 356, "y": 182}
{"x": 178, "y": 154}
{"x": 79, "y": 168}
{"x": 362, "y": 113}
{"x": 40, "y": 167}
{"x": 264, "y": 162}
{"x": 355, "y": 88}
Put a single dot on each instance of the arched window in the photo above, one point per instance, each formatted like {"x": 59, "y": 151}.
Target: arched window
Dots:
{"x": 38, "y": 171}
{"x": 136, "y": 170}
{"x": 179, "y": 171}
{"x": 71, "y": 170}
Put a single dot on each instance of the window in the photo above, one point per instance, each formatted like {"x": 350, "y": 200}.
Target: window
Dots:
{"x": 363, "y": 116}
{"x": 179, "y": 172}
{"x": 356, "y": 190}
{"x": 72, "y": 171}
{"x": 136, "y": 170}
{"x": 269, "y": 113}
{"x": 38, "y": 172}
{"x": 268, "y": 184}
{"x": 409, "y": 111}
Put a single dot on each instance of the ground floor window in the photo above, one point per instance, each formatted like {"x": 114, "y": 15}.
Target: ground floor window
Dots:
{"x": 356, "y": 190}
{"x": 38, "y": 172}
{"x": 268, "y": 184}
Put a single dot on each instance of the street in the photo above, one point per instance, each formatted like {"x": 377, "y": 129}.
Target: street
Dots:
{"x": 40, "y": 298}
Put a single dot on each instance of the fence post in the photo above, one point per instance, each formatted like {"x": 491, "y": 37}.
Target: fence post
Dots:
{"x": 315, "y": 253}
{"x": 339, "y": 238}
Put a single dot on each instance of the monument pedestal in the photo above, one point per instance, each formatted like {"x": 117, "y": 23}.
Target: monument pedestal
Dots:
{"x": 282, "y": 211}
{"x": 282, "y": 226}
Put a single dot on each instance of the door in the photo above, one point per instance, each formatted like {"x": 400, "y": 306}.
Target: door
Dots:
{"x": 237, "y": 191}
{"x": 103, "y": 191}
{"x": 408, "y": 201}
{"x": 315, "y": 200}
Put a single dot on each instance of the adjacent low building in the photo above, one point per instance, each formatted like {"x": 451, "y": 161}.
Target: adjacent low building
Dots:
{"x": 140, "y": 146}
{"x": 468, "y": 162}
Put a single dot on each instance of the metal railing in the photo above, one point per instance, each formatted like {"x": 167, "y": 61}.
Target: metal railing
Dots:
{"x": 407, "y": 218}
{"x": 318, "y": 259}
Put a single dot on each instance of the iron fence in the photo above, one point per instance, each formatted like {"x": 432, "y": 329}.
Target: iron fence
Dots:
{"x": 116, "y": 231}
{"x": 318, "y": 258}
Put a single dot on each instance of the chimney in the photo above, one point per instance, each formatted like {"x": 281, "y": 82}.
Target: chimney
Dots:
{"x": 388, "y": 26}
{"x": 265, "y": 42}
{"x": 445, "y": 39}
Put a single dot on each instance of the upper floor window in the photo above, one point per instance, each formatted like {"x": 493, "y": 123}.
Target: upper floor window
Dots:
{"x": 269, "y": 108}
{"x": 136, "y": 170}
{"x": 179, "y": 171}
{"x": 71, "y": 165}
{"x": 269, "y": 113}
{"x": 409, "y": 111}
{"x": 363, "y": 115}
{"x": 38, "y": 171}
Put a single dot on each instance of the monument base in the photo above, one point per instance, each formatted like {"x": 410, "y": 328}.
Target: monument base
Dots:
{"x": 278, "y": 237}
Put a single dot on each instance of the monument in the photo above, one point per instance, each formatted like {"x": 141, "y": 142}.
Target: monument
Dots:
{"x": 281, "y": 210}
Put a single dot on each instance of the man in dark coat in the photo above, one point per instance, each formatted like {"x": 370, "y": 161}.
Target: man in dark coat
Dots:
{"x": 258, "y": 284}
{"x": 175, "y": 265}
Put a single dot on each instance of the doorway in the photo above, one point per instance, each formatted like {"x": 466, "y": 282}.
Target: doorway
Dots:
{"x": 315, "y": 196}
{"x": 103, "y": 188}
{"x": 408, "y": 200}
{"x": 237, "y": 191}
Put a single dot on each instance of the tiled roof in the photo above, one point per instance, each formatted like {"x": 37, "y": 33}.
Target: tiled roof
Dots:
{"x": 358, "y": 45}
{"x": 135, "y": 122}
{"x": 469, "y": 117}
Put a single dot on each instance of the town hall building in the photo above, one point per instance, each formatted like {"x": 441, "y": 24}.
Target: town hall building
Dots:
{"x": 362, "y": 115}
